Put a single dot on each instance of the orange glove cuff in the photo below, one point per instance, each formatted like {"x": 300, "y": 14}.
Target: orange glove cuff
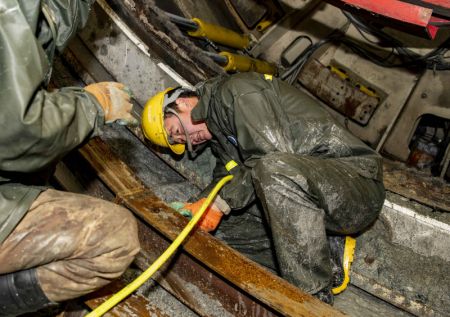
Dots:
{"x": 210, "y": 219}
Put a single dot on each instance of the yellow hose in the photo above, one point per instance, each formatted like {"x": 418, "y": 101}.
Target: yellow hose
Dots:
{"x": 141, "y": 279}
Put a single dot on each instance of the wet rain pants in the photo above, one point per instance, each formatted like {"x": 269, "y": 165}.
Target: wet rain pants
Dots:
{"x": 304, "y": 198}
{"x": 77, "y": 243}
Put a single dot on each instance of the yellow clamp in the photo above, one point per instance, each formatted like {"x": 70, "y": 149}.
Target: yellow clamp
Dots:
{"x": 367, "y": 90}
{"x": 264, "y": 24}
{"x": 342, "y": 74}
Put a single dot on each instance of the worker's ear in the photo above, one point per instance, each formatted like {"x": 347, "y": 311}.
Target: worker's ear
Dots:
{"x": 185, "y": 104}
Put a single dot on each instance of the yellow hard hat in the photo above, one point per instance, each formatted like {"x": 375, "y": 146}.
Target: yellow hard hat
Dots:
{"x": 153, "y": 123}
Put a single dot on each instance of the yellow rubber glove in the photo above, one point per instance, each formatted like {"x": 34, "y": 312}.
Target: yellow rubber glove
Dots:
{"x": 115, "y": 101}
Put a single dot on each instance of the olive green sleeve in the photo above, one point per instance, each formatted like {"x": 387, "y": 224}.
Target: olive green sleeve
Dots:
{"x": 239, "y": 192}
{"x": 69, "y": 16}
{"x": 39, "y": 127}
{"x": 257, "y": 129}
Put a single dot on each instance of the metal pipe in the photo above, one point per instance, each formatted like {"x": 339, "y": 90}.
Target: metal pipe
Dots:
{"x": 242, "y": 63}
{"x": 219, "y": 59}
{"x": 186, "y": 24}
{"x": 215, "y": 33}
{"x": 221, "y": 35}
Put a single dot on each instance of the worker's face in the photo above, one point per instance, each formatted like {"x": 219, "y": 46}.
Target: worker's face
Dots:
{"x": 198, "y": 132}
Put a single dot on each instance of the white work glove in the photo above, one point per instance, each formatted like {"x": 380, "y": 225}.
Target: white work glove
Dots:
{"x": 114, "y": 98}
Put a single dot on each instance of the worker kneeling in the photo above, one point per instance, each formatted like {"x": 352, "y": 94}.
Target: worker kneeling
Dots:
{"x": 54, "y": 245}
{"x": 312, "y": 176}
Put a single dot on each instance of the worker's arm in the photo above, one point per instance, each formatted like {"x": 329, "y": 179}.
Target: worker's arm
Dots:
{"x": 236, "y": 194}
{"x": 38, "y": 126}
{"x": 69, "y": 17}
{"x": 258, "y": 130}
{"x": 239, "y": 192}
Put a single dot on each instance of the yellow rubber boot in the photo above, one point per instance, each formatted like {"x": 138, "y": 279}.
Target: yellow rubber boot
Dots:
{"x": 349, "y": 251}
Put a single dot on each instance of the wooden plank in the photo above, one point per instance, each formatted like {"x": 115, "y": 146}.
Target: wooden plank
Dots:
{"x": 115, "y": 173}
{"x": 416, "y": 185}
{"x": 230, "y": 264}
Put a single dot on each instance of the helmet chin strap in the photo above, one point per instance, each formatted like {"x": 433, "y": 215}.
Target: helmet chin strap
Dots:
{"x": 188, "y": 138}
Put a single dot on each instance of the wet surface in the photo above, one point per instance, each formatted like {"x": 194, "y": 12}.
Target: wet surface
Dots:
{"x": 415, "y": 282}
{"x": 356, "y": 303}
{"x": 416, "y": 185}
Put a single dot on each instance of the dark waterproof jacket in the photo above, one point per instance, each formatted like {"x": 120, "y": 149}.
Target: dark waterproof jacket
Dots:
{"x": 38, "y": 127}
{"x": 251, "y": 115}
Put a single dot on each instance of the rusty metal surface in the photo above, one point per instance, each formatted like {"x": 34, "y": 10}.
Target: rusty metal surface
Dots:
{"x": 338, "y": 93}
{"x": 193, "y": 284}
{"x": 163, "y": 37}
{"x": 133, "y": 305}
{"x": 416, "y": 185}
{"x": 246, "y": 275}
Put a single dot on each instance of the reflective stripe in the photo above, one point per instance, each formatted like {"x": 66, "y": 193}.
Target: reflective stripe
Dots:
{"x": 268, "y": 77}
{"x": 230, "y": 165}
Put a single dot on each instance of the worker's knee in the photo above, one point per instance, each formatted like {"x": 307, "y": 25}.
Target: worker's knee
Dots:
{"x": 94, "y": 242}
{"x": 108, "y": 236}
{"x": 117, "y": 231}
{"x": 270, "y": 165}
